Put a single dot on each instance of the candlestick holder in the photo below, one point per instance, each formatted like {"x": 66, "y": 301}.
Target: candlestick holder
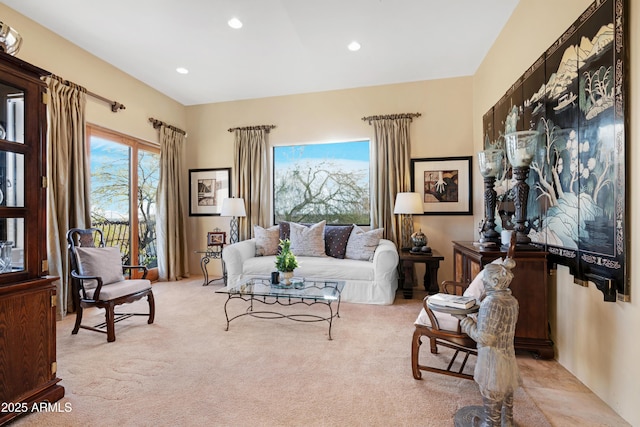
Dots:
{"x": 521, "y": 147}
{"x": 490, "y": 162}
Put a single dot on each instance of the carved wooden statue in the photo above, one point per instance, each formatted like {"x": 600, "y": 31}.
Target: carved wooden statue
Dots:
{"x": 496, "y": 370}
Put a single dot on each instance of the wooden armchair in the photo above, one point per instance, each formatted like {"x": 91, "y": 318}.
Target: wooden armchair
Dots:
{"x": 444, "y": 329}
{"x": 98, "y": 280}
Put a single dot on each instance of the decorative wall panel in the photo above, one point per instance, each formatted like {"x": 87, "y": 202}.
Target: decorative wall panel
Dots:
{"x": 574, "y": 95}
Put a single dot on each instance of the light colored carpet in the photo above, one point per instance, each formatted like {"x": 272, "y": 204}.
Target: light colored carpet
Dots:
{"x": 186, "y": 370}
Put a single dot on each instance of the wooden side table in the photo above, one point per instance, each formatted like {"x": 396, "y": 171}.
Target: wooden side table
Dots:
{"x": 431, "y": 262}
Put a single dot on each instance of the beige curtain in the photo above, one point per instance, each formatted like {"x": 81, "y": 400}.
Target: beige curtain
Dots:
{"x": 251, "y": 178}
{"x": 171, "y": 220}
{"x": 392, "y": 151}
{"x": 68, "y": 176}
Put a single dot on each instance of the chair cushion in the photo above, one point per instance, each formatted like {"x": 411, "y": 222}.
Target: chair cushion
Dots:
{"x": 120, "y": 289}
{"x": 307, "y": 241}
{"x": 315, "y": 267}
{"x": 447, "y": 321}
{"x": 103, "y": 262}
{"x": 336, "y": 238}
{"x": 267, "y": 240}
{"x": 362, "y": 244}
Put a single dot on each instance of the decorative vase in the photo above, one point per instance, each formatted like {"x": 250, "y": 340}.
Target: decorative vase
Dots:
{"x": 419, "y": 239}
{"x": 10, "y": 39}
{"x": 5, "y": 256}
{"x": 287, "y": 275}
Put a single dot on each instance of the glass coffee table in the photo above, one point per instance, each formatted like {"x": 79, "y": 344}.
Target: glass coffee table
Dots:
{"x": 303, "y": 293}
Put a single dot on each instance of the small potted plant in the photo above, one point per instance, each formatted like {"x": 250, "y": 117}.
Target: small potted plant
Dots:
{"x": 286, "y": 261}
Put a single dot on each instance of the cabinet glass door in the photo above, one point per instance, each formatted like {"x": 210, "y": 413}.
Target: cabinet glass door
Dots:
{"x": 11, "y": 114}
{"x": 12, "y": 179}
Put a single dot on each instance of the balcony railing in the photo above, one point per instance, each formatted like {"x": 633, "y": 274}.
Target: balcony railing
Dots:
{"x": 117, "y": 233}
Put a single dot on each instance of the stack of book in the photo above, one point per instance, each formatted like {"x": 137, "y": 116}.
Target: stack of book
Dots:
{"x": 454, "y": 301}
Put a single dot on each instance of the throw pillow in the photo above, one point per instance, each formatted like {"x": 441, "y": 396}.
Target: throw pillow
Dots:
{"x": 307, "y": 241}
{"x": 285, "y": 229}
{"x": 335, "y": 240}
{"x": 104, "y": 262}
{"x": 362, "y": 244}
{"x": 266, "y": 240}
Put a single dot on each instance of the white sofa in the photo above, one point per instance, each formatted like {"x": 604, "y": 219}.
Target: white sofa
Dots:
{"x": 367, "y": 282}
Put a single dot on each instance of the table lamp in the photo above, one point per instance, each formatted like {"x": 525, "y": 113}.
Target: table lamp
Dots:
{"x": 407, "y": 204}
{"x": 490, "y": 162}
{"x": 234, "y": 208}
{"x": 521, "y": 147}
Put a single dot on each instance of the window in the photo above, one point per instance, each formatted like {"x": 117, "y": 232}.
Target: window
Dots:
{"x": 124, "y": 178}
{"x": 329, "y": 181}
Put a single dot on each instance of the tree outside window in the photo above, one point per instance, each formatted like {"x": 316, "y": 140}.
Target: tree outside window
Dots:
{"x": 315, "y": 182}
{"x": 124, "y": 179}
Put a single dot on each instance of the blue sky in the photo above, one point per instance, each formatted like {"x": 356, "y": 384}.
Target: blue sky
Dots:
{"x": 356, "y": 150}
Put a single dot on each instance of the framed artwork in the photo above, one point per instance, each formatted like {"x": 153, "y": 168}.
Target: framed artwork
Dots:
{"x": 207, "y": 189}
{"x": 444, "y": 184}
{"x": 216, "y": 238}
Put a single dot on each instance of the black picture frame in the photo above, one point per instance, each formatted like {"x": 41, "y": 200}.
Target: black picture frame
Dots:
{"x": 207, "y": 189}
{"x": 444, "y": 184}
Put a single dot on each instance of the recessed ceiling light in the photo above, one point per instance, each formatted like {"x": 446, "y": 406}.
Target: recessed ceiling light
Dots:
{"x": 234, "y": 23}
{"x": 354, "y": 46}
{"x": 182, "y": 70}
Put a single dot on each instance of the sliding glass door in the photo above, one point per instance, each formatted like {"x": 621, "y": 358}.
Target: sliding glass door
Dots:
{"x": 124, "y": 178}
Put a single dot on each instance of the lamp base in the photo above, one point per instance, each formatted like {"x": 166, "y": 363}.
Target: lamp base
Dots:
{"x": 406, "y": 232}
{"x": 233, "y": 230}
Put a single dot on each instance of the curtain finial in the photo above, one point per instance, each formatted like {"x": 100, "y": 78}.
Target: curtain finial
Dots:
{"x": 157, "y": 124}
{"x": 392, "y": 117}
{"x": 266, "y": 128}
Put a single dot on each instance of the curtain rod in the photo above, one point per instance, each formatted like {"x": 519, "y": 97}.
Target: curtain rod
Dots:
{"x": 157, "y": 123}
{"x": 392, "y": 117}
{"x": 115, "y": 105}
{"x": 261, "y": 127}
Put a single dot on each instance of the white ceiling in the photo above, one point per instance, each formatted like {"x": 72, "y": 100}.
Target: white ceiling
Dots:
{"x": 285, "y": 46}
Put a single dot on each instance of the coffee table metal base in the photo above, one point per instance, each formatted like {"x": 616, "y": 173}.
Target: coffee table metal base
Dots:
{"x": 284, "y": 300}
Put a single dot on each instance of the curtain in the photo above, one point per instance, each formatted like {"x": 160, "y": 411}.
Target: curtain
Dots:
{"x": 171, "y": 221}
{"x": 252, "y": 177}
{"x": 68, "y": 175}
{"x": 392, "y": 151}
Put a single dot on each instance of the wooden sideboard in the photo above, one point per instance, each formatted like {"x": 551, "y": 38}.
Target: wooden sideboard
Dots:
{"x": 529, "y": 287}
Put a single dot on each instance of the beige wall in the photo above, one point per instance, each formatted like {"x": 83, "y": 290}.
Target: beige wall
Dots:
{"x": 51, "y": 52}
{"x": 594, "y": 340}
{"x": 443, "y": 130}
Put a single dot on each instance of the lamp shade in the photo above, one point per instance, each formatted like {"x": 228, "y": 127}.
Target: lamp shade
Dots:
{"x": 408, "y": 203}
{"x": 233, "y": 207}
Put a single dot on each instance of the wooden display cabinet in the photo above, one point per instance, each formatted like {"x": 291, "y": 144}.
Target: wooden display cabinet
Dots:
{"x": 529, "y": 287}
{"x": 27, "y": 297}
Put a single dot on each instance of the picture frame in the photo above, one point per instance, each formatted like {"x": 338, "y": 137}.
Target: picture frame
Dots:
{"x": 216, "y": 238}
{"x": 444, "y": 184}
{"x": 207, "y": 189}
